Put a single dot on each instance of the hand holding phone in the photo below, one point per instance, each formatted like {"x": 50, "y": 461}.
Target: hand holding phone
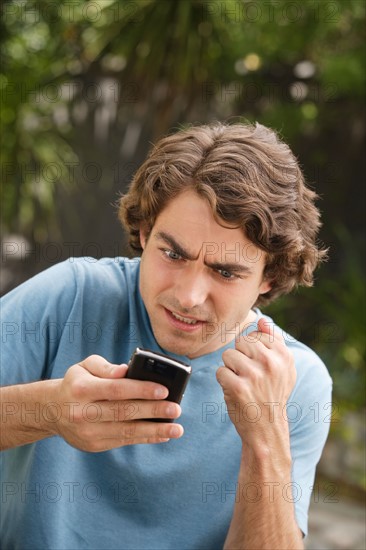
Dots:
{"x": 156, "y": 367}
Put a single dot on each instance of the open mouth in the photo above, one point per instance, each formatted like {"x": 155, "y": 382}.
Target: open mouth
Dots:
{"x": 182, "y": 322}
{"x": 184, "y": 319}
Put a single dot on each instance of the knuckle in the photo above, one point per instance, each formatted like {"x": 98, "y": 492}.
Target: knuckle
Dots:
{"x": 253, "y": 337}
{"x": 157, "y": 410}
{"x": 116, "y": 390}
{"x": 267, "y": 362}
{"x": 94, "y": 358}
{"x": 254, "y": 376}
{"x": 128, "y": 411}
{"x": 129, "y": 430}
{"x": 161, "y": 432}
{"x": 228, "y": 354}
{"x": 79, "y": 388}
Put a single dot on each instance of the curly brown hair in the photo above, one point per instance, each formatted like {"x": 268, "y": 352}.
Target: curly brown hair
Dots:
{"x": 251, "y": 179}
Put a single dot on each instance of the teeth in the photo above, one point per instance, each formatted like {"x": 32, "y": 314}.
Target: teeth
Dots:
{"x": 184, "y": 319}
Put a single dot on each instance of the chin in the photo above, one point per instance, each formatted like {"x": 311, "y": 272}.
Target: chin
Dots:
{"x": 178, "y": 348}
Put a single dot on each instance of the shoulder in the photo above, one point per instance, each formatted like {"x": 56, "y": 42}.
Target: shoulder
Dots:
{"x": 104, "y": 273}
{"x": 307, "y": 361}
{"x": 75, "y": 280}
{"x": 312, "y": 374}
{"x": 72, "y": 273}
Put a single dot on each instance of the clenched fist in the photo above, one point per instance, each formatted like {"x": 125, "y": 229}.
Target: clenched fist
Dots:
{"x": 257, "y": 379}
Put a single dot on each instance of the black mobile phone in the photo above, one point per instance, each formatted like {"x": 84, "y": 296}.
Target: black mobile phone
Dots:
{"x": 156, "y": 367}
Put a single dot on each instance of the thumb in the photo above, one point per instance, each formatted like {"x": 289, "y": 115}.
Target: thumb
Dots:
{"x": 268, "y": 327}
{"x": 265, "y": 326}
{"x": 100, "y": 367}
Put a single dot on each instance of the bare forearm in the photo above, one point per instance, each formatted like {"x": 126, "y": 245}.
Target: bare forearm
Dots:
{"x": 263, "y": 518}
{"x": 25, "y": 414}
{"x": 261, "y": 370}
{"x": 31, "y": 412}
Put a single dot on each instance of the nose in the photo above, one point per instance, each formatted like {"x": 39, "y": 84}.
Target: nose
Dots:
{"x": 191, "y": 289}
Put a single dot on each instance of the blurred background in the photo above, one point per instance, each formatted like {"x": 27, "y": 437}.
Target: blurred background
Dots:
{"x": 86, "y": 88}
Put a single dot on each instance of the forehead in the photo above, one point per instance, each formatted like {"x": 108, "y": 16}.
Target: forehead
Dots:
{"x": 189, "y": 210}
{"x": 190, "y": 220}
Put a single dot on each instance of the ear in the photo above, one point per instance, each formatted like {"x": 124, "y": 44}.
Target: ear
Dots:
{"x": 143, "y": 236}
{"x": 265, "y": 286}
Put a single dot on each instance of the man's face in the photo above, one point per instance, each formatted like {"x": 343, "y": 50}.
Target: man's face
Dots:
{"x": 198, "y": 279}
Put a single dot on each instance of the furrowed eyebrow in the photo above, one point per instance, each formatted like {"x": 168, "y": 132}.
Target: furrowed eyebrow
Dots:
{"x": 169, "y": 240}
{"x": 230, "y": 267}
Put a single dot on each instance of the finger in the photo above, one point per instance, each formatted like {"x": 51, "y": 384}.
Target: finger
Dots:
{"x": 127, "y": 431}
{"x": 100, "y": 367}
{"x": 250, "y": 350}
{"x": 122, "y": 411}
{"x": 251, "y": 345}
{"x": 256, "y": 342}
{"x": 86, "y": 387}
{"x": 265, "y": 326}
{"x": 225, "y": 377}
{"x": 106, "y": 444}
{"x": 133, "y": 389}
{"x": 238, "y": 362}
{"x": 269, "y": 334}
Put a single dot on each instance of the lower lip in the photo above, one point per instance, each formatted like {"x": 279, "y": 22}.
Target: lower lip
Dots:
{"x": 181, "y": 325}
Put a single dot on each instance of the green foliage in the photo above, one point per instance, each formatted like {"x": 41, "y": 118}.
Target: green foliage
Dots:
{"x": 295, "y": 66}
{"x": 181, "y": 46}
{"x": 330, "y": 318}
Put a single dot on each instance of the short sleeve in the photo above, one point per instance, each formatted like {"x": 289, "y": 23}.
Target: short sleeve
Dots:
{"x": 32, "y": 316}
{"x": 309, "y": 415}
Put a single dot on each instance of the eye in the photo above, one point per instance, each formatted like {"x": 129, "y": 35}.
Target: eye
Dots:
{"x": 172, "y": 255}
{"x": 226, "y": 274}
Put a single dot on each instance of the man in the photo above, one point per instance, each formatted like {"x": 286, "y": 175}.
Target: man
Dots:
{"x": 225, "y": 223}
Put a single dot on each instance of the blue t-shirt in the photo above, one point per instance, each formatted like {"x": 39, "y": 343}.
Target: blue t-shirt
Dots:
{"x": 175, "y": 495}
